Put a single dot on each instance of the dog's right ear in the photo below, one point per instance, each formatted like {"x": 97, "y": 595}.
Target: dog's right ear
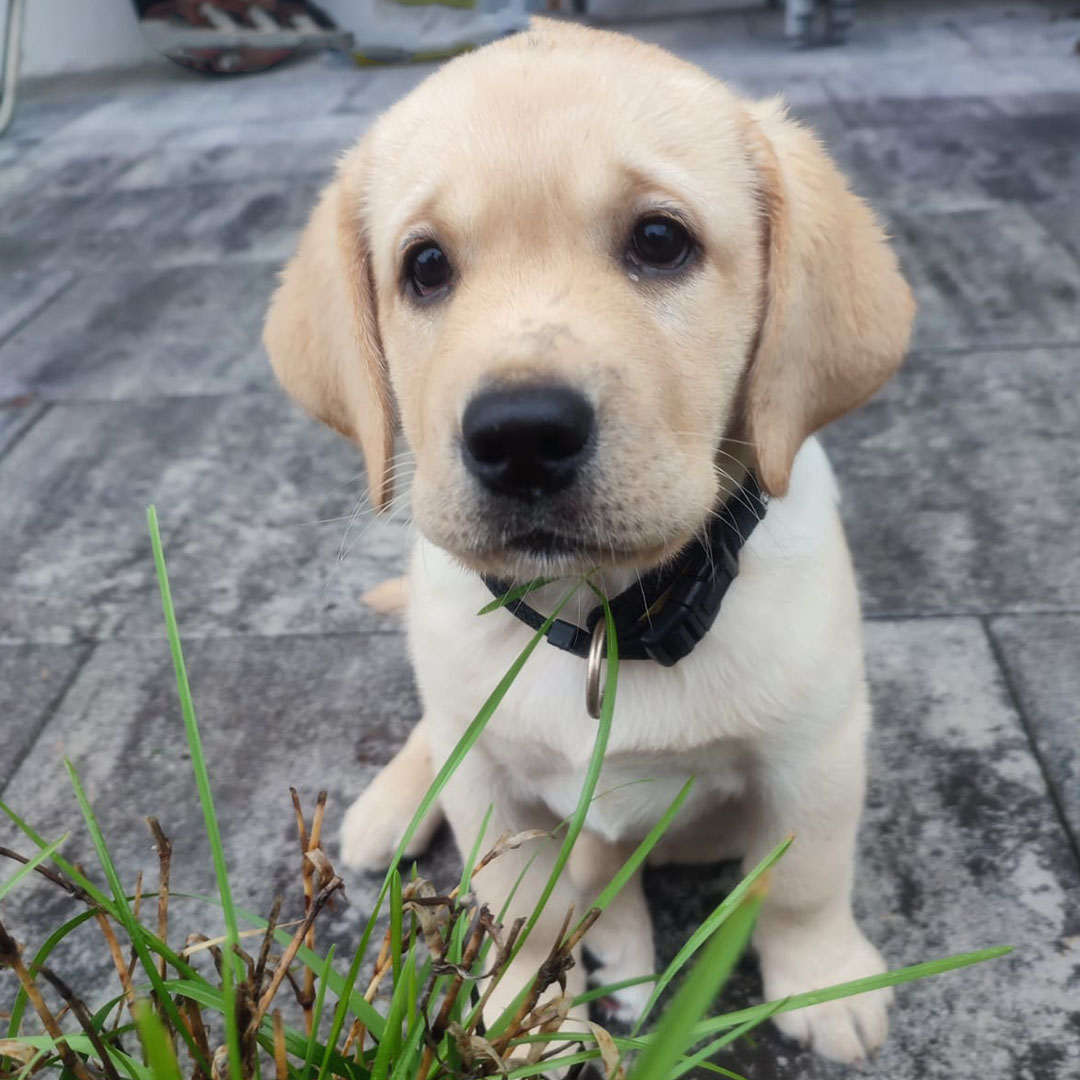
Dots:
{"x": 322, "y": 331}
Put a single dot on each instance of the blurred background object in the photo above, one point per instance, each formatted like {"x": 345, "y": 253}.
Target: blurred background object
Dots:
{"x": 234, "y": 36}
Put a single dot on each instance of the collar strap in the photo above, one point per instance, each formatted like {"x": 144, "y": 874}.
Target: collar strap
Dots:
{"x": 669, "y": 610}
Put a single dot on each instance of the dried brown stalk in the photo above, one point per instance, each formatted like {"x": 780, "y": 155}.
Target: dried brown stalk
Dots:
{"x": 193, "y": 1017}
{"x": 309, "y": 846}
{"x": 357, "y": 1034}
{"x": 118, "y": 960}
{"x": 468, "y": 956}
{"x": 502, "y": 962}
{"x": 81, "y": 1014}
{"x": 293, "y": 947}
{"x": 264, "y": 950}
{"x": 11, "y": 956}
{"x": 164, "y": 853}
{"x": 281, "y": 1060}
{"x": 552, "y": 970}
{"x": 52, "y": 875}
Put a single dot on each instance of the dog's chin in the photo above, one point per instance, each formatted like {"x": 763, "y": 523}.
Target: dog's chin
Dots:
{"x": 542, "y": 553}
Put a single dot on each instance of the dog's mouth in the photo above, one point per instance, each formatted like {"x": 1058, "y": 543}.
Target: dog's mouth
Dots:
{"x": 544, "y": 552}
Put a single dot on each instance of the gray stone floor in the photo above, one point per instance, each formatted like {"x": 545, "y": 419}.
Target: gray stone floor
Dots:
{"x": 142, "y": 219}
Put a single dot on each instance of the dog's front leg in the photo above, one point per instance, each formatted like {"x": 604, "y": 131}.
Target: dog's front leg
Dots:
{"x": 806, "y": 936}
{"x": 621, "y": 940}
{"x": 375, "y": 823}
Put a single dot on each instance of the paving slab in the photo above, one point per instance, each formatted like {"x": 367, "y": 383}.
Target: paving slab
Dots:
{"x": 308, "y": 89}
{"x": 37, "y": 120}
{"x": 134, "y": 332}
{"x": 958, "y": 485}
{"x": 1042, "y": 658}
{"x": 252, "y": 151}
{"x": 379, "y": 87}
{"x": 252, "y": 221}
{"x": 992, "y": 276}
{"x": 969, "y": 161}
{"x": 255, "y": 502}
{"x": 33, "y": 679}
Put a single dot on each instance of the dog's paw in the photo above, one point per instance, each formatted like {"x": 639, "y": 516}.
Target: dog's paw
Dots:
{"x": 848, "y": 1030}
{"x": 375, "y": 823}
{"x": 619, "y": 1010}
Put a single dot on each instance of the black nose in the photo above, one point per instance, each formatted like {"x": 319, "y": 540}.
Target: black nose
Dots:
{"x": 527, "y": 441}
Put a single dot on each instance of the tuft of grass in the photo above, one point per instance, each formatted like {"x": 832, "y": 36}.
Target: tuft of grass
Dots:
{"x": 419, "y": 1016}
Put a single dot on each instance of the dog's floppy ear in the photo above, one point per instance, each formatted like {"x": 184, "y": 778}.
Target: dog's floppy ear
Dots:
{"x": 322, "y": 333}
{"x": 836, "y": 312}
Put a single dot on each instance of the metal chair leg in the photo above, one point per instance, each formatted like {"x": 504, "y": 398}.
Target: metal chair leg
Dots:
{"x": 12, "y": 48}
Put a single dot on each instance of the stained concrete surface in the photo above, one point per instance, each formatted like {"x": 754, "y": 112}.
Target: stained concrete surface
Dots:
{"x": 142, "y": 218}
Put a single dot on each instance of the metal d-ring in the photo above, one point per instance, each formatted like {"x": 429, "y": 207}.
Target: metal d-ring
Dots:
{"x": 594, "y": 686}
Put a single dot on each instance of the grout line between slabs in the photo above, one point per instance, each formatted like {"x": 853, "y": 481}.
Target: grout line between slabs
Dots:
{"x": 34, "y": 312}
{"x": 1006, "y": 613}
{"x": 1036, "y": 752}
{"x": 396, "y": 629}
{"x": 26, "y": 429}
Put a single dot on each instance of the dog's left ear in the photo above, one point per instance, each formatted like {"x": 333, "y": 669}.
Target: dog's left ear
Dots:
{"x": 837, "y": 313}
{"x": 322, "y": 330}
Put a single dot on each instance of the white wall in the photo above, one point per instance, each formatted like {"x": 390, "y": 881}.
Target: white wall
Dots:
{"x": 79, "y": 35}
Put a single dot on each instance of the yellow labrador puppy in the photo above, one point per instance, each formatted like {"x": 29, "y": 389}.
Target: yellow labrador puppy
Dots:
{"x": 608, "y": 302}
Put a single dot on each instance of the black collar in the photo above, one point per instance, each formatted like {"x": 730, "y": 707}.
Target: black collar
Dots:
{"x": 665, "y": 614}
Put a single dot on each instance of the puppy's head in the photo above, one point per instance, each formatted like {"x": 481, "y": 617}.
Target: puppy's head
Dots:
{"x": 589, "y": 283}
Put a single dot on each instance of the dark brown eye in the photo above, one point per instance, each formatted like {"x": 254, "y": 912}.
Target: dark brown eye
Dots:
{"x": 427, "y": 269}
{"x": 661, "y": 243}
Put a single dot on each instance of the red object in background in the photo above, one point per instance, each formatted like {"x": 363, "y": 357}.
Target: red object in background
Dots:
{"x": 238, "y": 19}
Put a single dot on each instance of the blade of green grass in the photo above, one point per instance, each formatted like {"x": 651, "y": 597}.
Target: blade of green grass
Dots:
{"x": 592, "y": 773}
{"x": 755, "y": 1014}
{"x": 700, "y": 1057}
{"x": 577, "y": 819}
{"x": 641, "y": 852}
{"x": 206, "y": 798}
{"x": 554, "y": 1066}
{"x": 125, "y": 915}
{"x": 722, "y": 911}
{"x": 474, "y": 855}
{"x": 612, "y": 988}
{"x": 28, "y": 867}
{"x": 316, "y": 1013}
{"x": 395, "y": 1015}
{"x": 81, "y": 1045}
{"x": 405, "y": 1066}
{"x": 675, "y": 1030}
{"x": 518, "y": 592}
{"x": 847, "y": 989}
{"x": 396, "y": 914}
{"x": 156, "y": 1044}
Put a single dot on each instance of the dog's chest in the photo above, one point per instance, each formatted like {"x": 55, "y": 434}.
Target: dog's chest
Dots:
{"x": 634, "y": 789}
